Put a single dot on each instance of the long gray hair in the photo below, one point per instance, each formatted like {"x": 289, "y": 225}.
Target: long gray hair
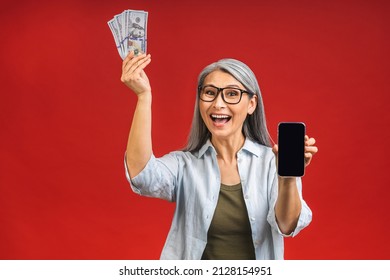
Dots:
{"x": 254, "y": 127}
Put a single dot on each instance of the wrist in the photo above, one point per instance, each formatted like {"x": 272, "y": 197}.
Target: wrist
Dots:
{"x": 287, "y": 181}
{"x": 145, "y": 97}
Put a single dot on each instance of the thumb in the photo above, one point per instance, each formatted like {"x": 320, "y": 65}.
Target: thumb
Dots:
{"x": 275, "y": 149}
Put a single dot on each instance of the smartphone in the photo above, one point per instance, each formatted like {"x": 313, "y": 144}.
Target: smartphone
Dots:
{"x": 291, "y": 149}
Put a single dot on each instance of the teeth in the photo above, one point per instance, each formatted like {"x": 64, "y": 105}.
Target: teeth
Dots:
{"x": 220, "y": 116}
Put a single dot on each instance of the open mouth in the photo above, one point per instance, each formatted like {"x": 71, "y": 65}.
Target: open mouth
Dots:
{"x": 220, "y": 119}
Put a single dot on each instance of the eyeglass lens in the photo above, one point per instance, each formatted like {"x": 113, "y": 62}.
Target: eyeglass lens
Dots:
{"x": 229, "y": 95}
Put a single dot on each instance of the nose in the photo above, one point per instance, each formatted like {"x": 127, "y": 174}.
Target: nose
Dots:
{"x": 218, "y": 102}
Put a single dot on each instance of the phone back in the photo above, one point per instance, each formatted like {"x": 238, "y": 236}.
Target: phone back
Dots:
{"x": 291, "y": 149}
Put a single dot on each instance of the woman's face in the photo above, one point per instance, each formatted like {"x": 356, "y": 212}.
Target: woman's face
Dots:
{"x": 225, "y": 120}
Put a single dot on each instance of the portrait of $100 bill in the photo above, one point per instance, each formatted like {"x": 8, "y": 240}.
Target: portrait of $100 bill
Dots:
{"x": 130, "y": 31}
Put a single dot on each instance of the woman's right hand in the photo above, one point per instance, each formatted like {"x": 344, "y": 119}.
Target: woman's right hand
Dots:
{"x": 133, "y": 74}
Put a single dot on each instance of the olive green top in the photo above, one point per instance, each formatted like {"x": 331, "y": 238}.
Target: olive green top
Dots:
{"x": 229, "y": 236}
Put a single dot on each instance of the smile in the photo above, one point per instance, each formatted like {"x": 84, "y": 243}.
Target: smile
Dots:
{"x": 220, "y": 119}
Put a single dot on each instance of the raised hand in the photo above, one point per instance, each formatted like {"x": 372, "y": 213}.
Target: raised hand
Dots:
{"x": 133, "y": 74}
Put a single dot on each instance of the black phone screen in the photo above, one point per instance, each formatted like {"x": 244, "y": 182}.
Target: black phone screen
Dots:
{"x": 291, "y": 149}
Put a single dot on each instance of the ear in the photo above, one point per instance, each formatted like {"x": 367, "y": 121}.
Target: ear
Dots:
{"x": 252, "y": 104}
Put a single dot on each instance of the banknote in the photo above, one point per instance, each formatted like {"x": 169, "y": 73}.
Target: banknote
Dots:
{"x": 129, "y": 30}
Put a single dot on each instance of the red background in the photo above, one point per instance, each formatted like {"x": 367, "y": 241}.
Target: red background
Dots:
{"x": 65, "y": 117}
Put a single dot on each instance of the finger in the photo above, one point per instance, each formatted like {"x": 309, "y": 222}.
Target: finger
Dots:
{"x": 275, "y": 149}
{"x": 139, "y": 71}
{"x": 310, "y": 141}
{"x": 133, "y": 62}
{"x": 134, "y": 73}
{"x": 131, "y": 59}
{"x": 308, "y": 158}
{"x": 311, "y": 149}
{"x": 139, "y": 62}
{"x": 127, "y": 59}
{"x": 144, "y": 62}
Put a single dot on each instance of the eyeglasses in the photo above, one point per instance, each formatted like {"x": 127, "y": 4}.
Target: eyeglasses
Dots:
{"x": 230, "y": 95}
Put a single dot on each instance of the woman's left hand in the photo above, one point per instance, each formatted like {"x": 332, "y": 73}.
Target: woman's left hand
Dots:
{"x": 310, "y": 149}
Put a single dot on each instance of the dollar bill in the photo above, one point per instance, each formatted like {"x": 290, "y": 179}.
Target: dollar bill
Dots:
{"x": 129, "y": 30}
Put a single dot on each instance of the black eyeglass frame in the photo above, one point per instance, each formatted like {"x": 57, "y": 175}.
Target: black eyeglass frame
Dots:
{"x": 242, "y": 91}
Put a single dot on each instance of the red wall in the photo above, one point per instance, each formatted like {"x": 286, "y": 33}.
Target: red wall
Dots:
{"x": 65, "y": 116}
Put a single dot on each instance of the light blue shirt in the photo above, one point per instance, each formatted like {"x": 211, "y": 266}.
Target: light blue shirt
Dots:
{"x": 193, "y": 180}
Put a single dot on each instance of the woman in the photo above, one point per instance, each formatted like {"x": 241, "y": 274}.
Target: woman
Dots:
{"x": 230, "y": 203}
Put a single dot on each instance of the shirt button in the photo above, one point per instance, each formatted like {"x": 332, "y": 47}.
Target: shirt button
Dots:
{"x": 247, "y": 197}
{"x": 253, "y": 219}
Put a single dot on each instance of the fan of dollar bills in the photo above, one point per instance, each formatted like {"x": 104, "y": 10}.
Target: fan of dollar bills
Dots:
{"x": 129, "y": 31}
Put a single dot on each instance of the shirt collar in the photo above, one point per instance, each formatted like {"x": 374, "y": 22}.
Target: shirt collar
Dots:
{"x": 253, "y": 147}
{"x": 249, "y": 146}
{"x": 205, "y": 147}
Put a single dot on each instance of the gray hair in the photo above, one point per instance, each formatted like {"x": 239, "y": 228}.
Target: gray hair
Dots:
{"x": 254, "y": 127}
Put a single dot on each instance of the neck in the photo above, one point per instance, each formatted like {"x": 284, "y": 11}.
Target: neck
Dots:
{"x": 227, "y": 148}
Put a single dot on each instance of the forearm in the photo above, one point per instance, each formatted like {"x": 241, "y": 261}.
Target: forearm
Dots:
{"x": 288, "y": 205}
{"x": 139, "y": 144}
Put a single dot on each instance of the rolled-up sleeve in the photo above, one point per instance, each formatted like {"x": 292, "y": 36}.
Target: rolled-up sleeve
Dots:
{"x": 305, "y": 216}
{"x": 158, "y": 178}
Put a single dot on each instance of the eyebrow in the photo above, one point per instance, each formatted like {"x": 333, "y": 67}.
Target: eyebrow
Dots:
{"x": 228, "y": 86}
